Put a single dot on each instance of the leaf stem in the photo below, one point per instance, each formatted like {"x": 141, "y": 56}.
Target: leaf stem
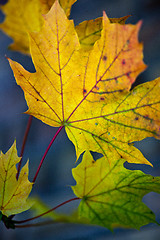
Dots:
{"x": 50, "y": 210}
{"x": 35, "y": 224}
{"x": 42, "y": 160}
{"x": 24, "y": 144}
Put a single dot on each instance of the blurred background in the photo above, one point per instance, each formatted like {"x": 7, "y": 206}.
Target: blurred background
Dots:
{"x": 55, "y": 178}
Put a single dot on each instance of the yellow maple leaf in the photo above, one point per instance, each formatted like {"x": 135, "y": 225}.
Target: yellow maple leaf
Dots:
{"x": 26, "y": 15}
{"x": 88, "y": 92}
{"x": 13, "y": 192}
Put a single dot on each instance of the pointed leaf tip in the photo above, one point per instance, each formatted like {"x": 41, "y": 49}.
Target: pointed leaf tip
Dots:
{"x": 105, "y": 17}
{"x": 27, "y": 15}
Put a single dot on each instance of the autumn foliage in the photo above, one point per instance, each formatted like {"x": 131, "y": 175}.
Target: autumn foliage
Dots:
{"x": 82, "y": 83}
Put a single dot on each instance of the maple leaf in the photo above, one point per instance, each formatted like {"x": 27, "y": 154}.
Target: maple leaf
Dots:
{"x": 26, "y": 15}
{"x": 113, "y": 197}
{"x": 88, "y": 92}
{"x": 13, "y": 192}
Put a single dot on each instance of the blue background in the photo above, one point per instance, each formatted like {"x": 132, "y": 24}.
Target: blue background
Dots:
{"x": 55, "y": 176}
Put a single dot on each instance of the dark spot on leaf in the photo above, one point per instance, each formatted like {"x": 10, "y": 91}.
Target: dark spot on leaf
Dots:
{"x": 104, "y": 58}
{"x": 84, "y": 90}
{"x": 102, "y": 98}
{"x": 146, "y": 117}
{"x": 37, "y": 100}
{"x": 121, "y": 90}
{"x": 121, "y": 157}
{"x": 116, "y": 79}
{"x": 136, "y": 118}
{"x": 93, "y": 161}
{"x": 128, "y": 41}
{"x": 128, "y": 74}
{"x": 123, "y": 62}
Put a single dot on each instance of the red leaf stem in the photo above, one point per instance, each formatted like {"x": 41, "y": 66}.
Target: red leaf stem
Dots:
{"x": 24, "y": 144}
{"x": 42, "y": 160}
{"x": 52, "y": 209}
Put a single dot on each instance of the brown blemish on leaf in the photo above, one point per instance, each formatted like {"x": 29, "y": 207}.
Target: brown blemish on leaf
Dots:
{"x": 146, "y": 117}
{"x": 123, "y": 62}
{"x": 128, "y": 42}
{"x": 104, "y": 58}
{"x": 128, "y": 74}
{"x": 102, "y": 98}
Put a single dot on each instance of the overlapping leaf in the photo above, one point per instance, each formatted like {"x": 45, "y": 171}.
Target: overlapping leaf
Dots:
{"x": 13, "y": 192}
{"x": 113, "y": 197}
{"x": 90, "y": 31}
{"x": 26, "y": 15}
{"x": 23, "y": 16}
{"x": 88, "y": 92}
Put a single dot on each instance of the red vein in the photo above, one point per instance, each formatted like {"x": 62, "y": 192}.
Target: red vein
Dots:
{"x": 44, "y": 56}
{"x": 59, "y": 65}
{"x": 100, "y": 79}
{"x": 43, "y": 100}
{"x": 38, "y": 93}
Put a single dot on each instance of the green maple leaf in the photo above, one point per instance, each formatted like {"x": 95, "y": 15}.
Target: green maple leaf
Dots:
{"x": 112, "y": 196}
{"x": 13, "y": 193}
